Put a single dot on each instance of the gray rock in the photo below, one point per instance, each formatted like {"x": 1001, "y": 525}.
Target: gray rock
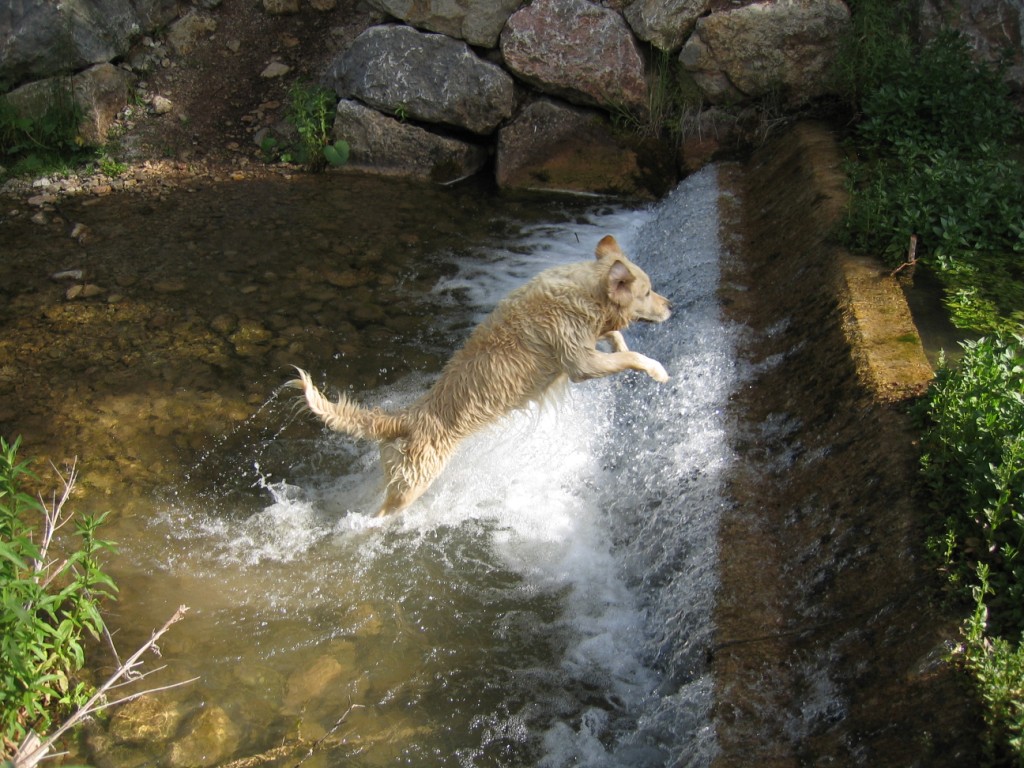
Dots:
{"x": 766, "y": 47}
{"x": 478, "y": 22}
{"x": 161, "y": 105}
{"x": 382, "y": 144}
{"x": 665, "y": 24}
{"x": 100, "y": 91}
{"x": 41, "y": 38}
{"x": 187, "y": 32}
{"x": 576, "y": 50}
{"x": 275, "y": 69}
{"x": 423, "y": 76}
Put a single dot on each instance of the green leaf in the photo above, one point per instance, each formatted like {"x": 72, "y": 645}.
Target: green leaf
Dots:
{"x": 337, "y": 153}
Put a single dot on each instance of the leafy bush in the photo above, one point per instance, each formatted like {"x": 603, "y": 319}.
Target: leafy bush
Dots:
{"x": 43, "y": 142}
{"x": 311, "y": 114}
{"x": 998, "y": 668}
{"x": 48, "y": 603}
{"x": 973, "y": 462}
{"x": 878, "y": 41}
{"x": 933, "y": 161}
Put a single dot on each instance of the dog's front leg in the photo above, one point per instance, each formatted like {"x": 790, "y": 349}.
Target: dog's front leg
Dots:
{"x": 595, "y": 365}
{"x": 616, "y": 340}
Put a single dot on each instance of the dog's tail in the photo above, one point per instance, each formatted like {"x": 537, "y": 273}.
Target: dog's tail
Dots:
{"x": 343, "y": 415}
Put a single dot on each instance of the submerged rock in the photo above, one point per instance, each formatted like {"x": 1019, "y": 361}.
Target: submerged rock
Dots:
{"x": 146, "y": 720}
{"x": 213, "y": 737}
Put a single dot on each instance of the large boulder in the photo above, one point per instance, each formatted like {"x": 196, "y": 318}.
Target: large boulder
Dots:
{"x": 99, "y": 92}
{"x": 577, "y": 50}
{"x": 665, "y": 24}
{"x": 422, "y": 76}
{"x": 41, "y": 38}
{"x": 102, "y": 92}
{"x": 552, "y": 145}
{"x": 382, "y": 144}
{"x": 478, "y": 22}
{"x": 766, "y": 47}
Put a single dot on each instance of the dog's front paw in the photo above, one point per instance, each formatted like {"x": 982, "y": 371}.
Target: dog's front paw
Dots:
{"x": 657, "y": 372}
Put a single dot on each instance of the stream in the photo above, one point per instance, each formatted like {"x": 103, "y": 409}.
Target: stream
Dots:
{"x": 718, "y": 571}
{"x": 547, "y": 602}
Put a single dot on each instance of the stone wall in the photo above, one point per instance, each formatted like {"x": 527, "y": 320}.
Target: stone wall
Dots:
{"x": 441, "y": 87}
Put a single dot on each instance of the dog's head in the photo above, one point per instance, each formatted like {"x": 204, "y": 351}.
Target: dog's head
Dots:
{"x": 629, "y": 287}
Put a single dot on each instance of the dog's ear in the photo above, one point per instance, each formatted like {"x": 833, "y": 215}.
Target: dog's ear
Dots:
{"x": 608, "y": 248}
{"x": 620, "y": 281}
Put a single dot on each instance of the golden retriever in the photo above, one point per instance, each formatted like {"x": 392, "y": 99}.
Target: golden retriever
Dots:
{"x": 539, "y": 335}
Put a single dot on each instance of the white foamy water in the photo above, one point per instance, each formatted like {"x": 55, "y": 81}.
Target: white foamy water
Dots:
{"x": 548, "y": 601}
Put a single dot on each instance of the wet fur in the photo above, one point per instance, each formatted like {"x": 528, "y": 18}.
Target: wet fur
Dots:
{"x": 537, "y": 337}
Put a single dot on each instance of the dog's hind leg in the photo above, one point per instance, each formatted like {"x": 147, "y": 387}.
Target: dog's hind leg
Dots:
{"x": 409, "y": 469}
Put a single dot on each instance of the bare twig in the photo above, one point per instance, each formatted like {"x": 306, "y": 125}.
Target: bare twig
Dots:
{"x": 33, "y": 750}
{"x": 293, "y": 747}
{"x": 327, "y": 735}
{"x": 911, "y": 257}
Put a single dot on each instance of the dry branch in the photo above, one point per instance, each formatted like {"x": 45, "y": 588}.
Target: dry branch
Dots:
{"x": 33, "y": 749}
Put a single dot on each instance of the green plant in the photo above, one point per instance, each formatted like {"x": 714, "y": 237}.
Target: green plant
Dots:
{"x": 997, "y": 665}
{"x": 109, "y": 166}
{"x": 48, "y": 139}
{"x": 310, "y": 113}
{"x": 878, "y": 43}
{"x": 671, "y": 100}
{"x": 48, "y": 603}
{"x": 932, "y": 162}
{"x": 973, "y": 463}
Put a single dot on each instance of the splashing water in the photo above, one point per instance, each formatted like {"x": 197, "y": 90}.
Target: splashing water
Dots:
{"x": 548, "y": 601}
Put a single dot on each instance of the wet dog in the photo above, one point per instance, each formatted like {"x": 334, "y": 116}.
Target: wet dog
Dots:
{"x": 541, "y": 334}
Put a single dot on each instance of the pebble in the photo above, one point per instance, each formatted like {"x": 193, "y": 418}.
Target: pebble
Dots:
{"x": 275, "y": 69}
{"x": 68, "y": 274}
{"x": 169, "y": 286}
{"x": 161, "y": 105}
{"x": 88, "y": 291}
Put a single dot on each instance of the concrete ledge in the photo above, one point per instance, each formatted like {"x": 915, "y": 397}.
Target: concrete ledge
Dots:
{"x": 883, "y": 339}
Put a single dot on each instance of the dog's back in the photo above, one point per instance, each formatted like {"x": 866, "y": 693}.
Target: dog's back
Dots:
{"x": 540, "y": 334}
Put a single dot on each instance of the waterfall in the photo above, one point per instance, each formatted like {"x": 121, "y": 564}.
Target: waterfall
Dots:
{"x": 549, "y": 600}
